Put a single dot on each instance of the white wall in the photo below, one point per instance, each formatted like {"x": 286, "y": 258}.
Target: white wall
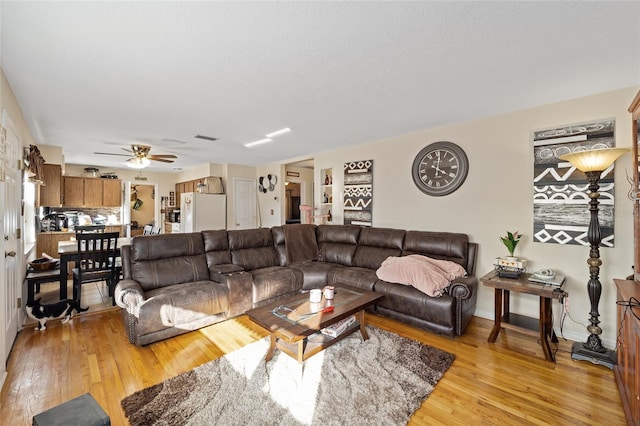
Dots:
{"x": 497, "y": 196}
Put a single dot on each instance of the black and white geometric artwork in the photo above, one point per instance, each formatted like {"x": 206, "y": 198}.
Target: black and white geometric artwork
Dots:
{"x": 358, "y": 192}
{"x": 561, "y": 192}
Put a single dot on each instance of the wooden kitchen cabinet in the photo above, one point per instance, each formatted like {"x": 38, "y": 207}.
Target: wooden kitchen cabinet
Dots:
{"x": 73, "y": 191}
{"x": 49, "y": 191}
{"x": 47, "y": 242}
{"x": 91, "y": 192}
{"x": 111, "y": 192}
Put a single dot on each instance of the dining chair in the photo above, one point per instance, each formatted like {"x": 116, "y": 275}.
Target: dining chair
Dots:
{"x": 96, "y": 260}
{"x": 147, "y": 229}
{"x": 155, "y": 230}
{"x": 89, "y": 228}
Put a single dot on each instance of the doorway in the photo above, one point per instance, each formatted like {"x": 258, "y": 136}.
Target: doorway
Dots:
{"x": 244, "y": 204}
{"x": 292, "y": 202}
{"x": 141, "y": 207}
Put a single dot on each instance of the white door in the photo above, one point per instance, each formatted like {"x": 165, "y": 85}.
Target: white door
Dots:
{"x": 244, "y": 204}
{"x": 10, "y": 292}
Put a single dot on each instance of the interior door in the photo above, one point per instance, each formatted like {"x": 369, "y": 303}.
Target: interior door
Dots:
{"x": 11, "y": 291}
{"x": 244, "y": 204}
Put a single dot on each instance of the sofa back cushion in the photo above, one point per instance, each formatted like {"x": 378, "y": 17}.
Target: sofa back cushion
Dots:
{"x": 437, "y": 245}
{"x": 376, "y": 244}
{"x": 216, "y": 247}
{"x": 337, "y": 243}
{"x": 168, "y": 259}
{"x": 277, "y": 232}
{"x": 253, "y": 248}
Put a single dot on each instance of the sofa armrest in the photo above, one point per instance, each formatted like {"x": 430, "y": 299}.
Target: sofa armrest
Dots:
{"x": 129, "y": 295}
{"x": 217, "y": 271}
{"x": 240, "y": 286}
{"x": 463, "y": 287}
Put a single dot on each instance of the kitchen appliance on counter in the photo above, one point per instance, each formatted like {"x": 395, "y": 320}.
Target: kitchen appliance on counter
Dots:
{"x": 175, "y": 216}
{"x": 200, "y": 212}
{"x": 53, "y": 222}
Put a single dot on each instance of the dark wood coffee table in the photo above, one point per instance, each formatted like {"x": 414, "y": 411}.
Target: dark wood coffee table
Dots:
{"x": 291, "y": 321}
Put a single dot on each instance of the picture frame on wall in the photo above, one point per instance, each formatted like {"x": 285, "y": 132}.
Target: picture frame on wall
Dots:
{"x": 172, "y": 199}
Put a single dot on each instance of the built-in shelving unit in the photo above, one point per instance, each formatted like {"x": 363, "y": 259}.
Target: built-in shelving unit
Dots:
{"x": 326, "y": 195}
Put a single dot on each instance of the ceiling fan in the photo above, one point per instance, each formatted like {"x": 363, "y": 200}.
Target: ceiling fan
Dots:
{"x": 140, "y": 156}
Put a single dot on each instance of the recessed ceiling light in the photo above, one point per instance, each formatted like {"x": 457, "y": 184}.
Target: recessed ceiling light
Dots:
{"x": 278, "y": 132}
{"x": 261, "y": 141}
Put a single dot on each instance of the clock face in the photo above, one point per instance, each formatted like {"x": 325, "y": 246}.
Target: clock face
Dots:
{"x": 440, "y": 168}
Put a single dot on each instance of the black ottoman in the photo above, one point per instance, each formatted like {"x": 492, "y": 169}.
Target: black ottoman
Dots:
{"x": 80, "y": 411}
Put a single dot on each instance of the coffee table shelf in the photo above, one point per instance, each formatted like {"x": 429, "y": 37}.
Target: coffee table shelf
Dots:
{"x": 291, "y": 334}
{"x": 311, "y": 347}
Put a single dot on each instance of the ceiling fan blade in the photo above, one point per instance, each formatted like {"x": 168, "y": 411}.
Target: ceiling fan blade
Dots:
{"x": 161, "y": 160}
{"x": 163, "y": 156}
{"x": 110, "y": 153}
{"x": 126, "y": 149}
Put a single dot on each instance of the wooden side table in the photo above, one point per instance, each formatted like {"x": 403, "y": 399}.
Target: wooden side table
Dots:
{"x": 542, "y": 327}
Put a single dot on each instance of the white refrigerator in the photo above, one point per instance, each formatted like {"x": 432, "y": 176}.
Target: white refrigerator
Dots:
{"x": 202, "y": 212}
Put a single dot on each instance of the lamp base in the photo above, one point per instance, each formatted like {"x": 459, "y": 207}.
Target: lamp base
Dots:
{"x": 580, "y": 352}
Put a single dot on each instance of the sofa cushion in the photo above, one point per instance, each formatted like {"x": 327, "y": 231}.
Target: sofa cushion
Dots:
{"x": 437, "y": 245}
{"x": 337, "y": 243}
{"x": 314, "y": 273}
{"x": 278, "y": 242}
{"x": 275, "y": 281}
{"x": 356, "y": 277}
{"x": 181, "y": 305}
{"x": 412, "y": 302}
{"x": 168, "y": 259}
{"x": 216, "y": 246}
{"x": 252, "y": 248}
{"x": 377, "y": 244}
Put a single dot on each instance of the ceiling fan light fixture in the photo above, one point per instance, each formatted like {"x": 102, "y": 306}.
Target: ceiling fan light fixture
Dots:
{"x": 138, "y": 162}
{"x": 260, "y": 142}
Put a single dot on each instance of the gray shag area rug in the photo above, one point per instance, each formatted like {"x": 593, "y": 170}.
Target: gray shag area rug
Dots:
{"x": 381, "y": 381}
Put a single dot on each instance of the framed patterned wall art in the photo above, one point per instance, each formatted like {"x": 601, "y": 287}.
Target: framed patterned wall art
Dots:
{"x": 561, "y": 192}
{"x": 358, "y": 192}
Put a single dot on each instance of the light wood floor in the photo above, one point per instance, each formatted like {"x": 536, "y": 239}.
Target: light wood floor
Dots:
{"x": 506, "y": 383}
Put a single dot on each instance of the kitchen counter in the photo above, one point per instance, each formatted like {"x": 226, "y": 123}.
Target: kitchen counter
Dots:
{"x": 108, "y": 228}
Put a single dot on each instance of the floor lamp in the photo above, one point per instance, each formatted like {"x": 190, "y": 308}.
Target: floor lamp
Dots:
{"x": 593, "y": 163}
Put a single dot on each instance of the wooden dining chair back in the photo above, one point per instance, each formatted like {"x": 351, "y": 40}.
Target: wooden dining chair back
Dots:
{"x": 81, "y": 229}
{"x": 96, "y": 260}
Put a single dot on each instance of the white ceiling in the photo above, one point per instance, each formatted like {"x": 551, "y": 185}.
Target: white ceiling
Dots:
{"x": 98, "y": 76}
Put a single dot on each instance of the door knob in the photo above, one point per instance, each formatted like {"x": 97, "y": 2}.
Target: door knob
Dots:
{"x": 10, "y": 254}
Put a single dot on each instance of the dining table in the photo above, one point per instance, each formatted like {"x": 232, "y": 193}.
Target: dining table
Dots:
{"x": 68, "y": 252}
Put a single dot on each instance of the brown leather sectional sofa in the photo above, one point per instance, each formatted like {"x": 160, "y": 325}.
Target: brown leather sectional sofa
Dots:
{"x": 175, "y": 283}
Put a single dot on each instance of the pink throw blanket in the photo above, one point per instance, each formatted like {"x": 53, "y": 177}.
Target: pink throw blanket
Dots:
{"x": 430, "y": 276}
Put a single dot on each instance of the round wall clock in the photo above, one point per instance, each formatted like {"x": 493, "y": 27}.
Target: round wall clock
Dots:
{"x": 440, "y": 168}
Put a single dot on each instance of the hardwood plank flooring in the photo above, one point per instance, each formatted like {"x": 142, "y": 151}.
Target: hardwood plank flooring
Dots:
{"x": 504, "y": 383}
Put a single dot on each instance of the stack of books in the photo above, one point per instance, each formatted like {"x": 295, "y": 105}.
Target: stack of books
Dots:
{"x": 334, "y": 330}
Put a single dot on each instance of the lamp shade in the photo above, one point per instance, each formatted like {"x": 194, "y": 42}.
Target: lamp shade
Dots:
{"x": 594, "y": 160}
